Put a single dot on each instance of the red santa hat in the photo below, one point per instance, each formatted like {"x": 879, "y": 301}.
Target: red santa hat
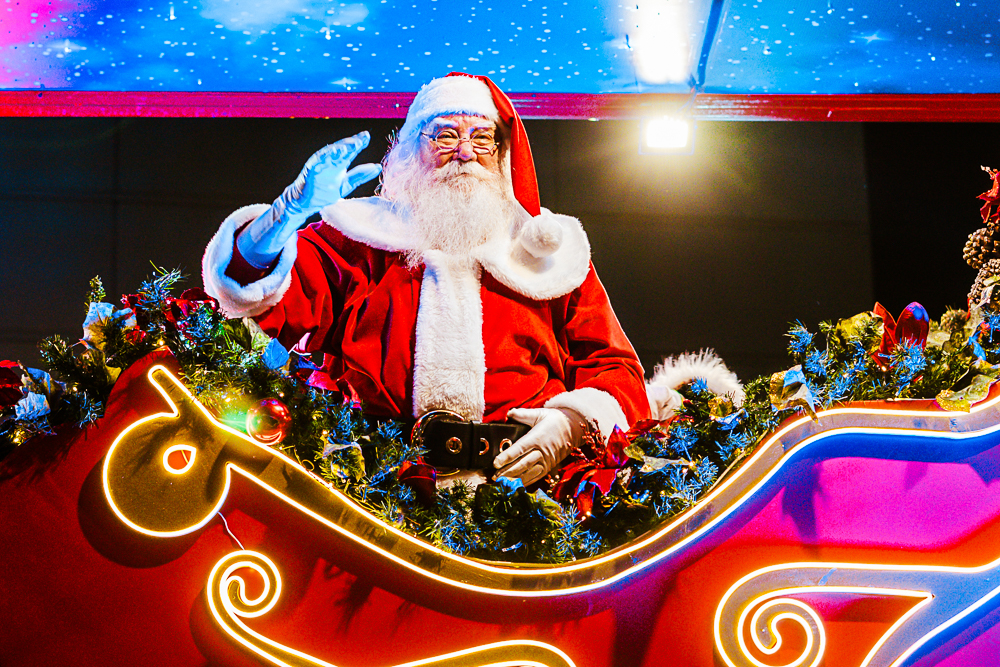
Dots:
{"x": 461, "y": 93}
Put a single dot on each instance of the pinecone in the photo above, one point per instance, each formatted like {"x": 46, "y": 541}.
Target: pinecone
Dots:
{"x": 953, "y": 320}
{"x": 991, "y": 269}
{"x": 980, "y": 248}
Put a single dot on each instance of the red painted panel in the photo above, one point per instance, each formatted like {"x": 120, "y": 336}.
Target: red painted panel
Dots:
{"x": 78, "y": 587}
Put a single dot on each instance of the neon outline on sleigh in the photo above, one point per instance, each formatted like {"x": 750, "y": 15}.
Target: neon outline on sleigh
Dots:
{"x": 535, "y": 572}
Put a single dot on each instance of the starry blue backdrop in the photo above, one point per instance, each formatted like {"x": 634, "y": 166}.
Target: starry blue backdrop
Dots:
{"x": 558, "y": 46}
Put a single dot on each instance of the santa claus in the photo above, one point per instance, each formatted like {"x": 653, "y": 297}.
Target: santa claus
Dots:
{"x": 450, "y": 298}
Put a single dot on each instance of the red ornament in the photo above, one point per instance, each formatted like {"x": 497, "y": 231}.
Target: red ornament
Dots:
{"x": 268, "y": 421}
{"x": 420, "y": 477}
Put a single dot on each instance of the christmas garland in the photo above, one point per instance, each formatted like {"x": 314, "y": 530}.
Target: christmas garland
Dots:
{"x": 609, "y": 492}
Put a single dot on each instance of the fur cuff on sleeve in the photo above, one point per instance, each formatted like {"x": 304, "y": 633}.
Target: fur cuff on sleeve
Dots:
{"x": 244, "y": 300}
{"x": 675, "y": 372}
{"x": 594, "y": 405}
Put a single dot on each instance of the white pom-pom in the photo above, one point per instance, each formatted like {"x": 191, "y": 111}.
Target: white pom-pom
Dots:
{"x": 542, "y": 235}
{"x": 677, "y": 371}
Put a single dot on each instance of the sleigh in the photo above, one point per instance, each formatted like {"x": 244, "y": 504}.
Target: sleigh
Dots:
{"x": 162, "y": 536}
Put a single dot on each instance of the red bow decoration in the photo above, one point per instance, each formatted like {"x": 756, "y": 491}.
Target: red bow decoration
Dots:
{"x": 177, "y": 310}
{"x": 583, "y": 478}
{"x": 319, "y": 378}
{"x": 135, "y": 336}
{"x": 189, "y": 301}
{"x": 991, "y": 196}
{"x": 420, "y": 477}
{"x": 912, "y": 327}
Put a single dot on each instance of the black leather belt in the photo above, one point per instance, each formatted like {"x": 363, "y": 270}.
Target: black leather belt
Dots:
{"x": 452, "y": 442}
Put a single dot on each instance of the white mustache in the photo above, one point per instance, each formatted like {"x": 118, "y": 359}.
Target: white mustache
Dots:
{"x": 452, "y": 208}
{"x": 457, "y": 169}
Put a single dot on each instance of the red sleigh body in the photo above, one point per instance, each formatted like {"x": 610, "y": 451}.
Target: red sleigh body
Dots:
{"x": 866, "y": 538}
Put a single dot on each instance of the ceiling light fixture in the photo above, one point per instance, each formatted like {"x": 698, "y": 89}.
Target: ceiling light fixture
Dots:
{"x": 669, "y": 134}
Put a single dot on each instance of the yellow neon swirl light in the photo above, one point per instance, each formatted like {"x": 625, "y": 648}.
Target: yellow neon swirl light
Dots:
{"x": 803, "y": 614}
{"x": 160, "y": 503}
{"x": 945, "y": 595}
{"x": 228, "y": 604}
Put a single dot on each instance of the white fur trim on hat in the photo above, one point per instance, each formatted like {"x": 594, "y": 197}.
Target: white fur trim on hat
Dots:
{"x": 541, "y": 235}
{"x": 540, "y": 277}
{"x": 675, "y": 372}
{"x": 594, "y": 405}
{"x": 244, "y": 300}
{"x": 445, "y": 96}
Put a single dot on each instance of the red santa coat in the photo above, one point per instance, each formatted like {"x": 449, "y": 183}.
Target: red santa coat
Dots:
{"x": 478, "y": 335}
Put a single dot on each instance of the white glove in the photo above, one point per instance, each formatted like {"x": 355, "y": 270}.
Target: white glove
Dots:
{"x": 554, "y": 432}
{"x": 323, "y": 180}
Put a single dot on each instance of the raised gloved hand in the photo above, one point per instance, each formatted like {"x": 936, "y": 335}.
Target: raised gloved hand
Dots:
{"x": 323, "y": 180}
{"x": 554, "y": 432}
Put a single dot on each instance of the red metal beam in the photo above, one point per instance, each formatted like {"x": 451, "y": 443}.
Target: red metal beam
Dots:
{"x": 973, "y": 108}
{"x": 845, "y": 108}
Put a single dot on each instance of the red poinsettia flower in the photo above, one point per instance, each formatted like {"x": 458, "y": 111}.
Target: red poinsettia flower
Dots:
{"x": 991, "y": 196}
{"x": 912, "y": 327}
{"x": 11, "y": 390}
{"x": 420, "y": 477}
{"x": 584, "y": 478}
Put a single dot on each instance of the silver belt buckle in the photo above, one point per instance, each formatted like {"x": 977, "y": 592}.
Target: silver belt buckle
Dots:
{"x": 417, "y": 434}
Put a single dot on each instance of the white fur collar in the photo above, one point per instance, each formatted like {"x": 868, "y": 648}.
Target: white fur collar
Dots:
{"x": 376, "y": 223}
{"x": 370, "y": 220}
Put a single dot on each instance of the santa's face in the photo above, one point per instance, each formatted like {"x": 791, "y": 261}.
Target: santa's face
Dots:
{"x": 471, "y": 132}
{"x": 451, "y": 180}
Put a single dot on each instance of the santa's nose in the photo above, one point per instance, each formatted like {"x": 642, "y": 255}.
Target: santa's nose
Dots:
{"x": 464, "y": 150}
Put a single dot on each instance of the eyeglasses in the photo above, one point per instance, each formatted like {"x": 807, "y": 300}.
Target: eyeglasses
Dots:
{"x": 448, "y": 140}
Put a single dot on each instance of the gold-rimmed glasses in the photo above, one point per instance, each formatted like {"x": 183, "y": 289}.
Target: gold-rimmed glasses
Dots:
{"x": 448, "y": 140}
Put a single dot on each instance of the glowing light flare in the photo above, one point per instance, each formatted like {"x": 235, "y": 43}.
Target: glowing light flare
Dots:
{"x": 662, "y": 41}
{"x": 228, "y": 603}
{"x": 667, "y": 134}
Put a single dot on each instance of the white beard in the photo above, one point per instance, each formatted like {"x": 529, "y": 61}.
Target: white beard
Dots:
{"x": 454, "y": 209}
